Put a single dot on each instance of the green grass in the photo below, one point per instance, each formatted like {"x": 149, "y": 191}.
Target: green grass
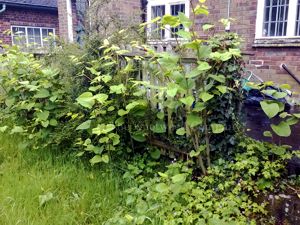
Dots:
{"x": 80, "y": 194}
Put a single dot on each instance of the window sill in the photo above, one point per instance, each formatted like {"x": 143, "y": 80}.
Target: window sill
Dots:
{"x": 276, "y": 42}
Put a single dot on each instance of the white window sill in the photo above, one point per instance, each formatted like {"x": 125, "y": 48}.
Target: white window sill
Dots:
{"x": 277, "y": 42}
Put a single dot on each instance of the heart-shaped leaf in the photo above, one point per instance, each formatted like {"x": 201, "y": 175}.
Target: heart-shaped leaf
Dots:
{"x": 282, "y": 129}
{"x": 270, "y": 108}
{"x": 86, "y": 100}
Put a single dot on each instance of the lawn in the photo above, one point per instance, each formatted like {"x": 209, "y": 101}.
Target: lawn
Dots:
{"x": 38, "y": 188}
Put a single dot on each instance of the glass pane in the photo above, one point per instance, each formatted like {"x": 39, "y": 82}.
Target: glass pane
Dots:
{"x": 34, "y": 37}
{"x": 175, "y": 10}
{"x": 46, "y": 36}
{"x": 275, "y": 18}
{"x": 156, "y": 31}
{"x": 19, "y": 36}
{"x": 298, "y": 20}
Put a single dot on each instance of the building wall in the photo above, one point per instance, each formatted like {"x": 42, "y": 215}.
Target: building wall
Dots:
{"x": 105, "y": 17}
{"x": 63, "y": 18}
{"x": 264, "y": 61}
{"x": 25, "y": 17}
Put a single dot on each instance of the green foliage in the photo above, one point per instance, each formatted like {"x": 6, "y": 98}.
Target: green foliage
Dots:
{"x": 35, "y": 99}
{"x": 275, "y": 108}
{"x": 226, "y": 195}
{"x": 205, "y": 98}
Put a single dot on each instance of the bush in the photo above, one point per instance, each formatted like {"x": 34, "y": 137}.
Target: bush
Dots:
{"x": 36, "y": 99}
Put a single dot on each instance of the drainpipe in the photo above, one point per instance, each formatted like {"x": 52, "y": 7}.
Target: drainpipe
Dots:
{"x": 3, "y": 8}
{"x": 290, "y": 73}
{"x": 227, "y": 28}
{"x": 70, "y": 21}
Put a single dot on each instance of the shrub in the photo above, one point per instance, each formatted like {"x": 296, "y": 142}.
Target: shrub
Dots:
{"x": 36, "y": 99}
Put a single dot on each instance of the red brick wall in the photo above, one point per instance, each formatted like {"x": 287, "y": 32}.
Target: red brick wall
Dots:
{"x": 270, "y": 58}
{"x": 26, "y": 17}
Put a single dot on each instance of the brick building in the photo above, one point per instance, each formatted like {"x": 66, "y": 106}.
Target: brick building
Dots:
{"x": 270, "y": 29}
{"x": 33, "y": 22}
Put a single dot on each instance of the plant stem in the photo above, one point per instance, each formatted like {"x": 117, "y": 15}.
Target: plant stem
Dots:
{"x": 207, "y": 142}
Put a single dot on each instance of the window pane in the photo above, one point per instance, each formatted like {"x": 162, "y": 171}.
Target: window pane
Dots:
{"x": 47, "y": 35}
{"x": 175, "y": 10}
{"x": 275, "y": 19}
{"x": 34, "y": 37}
{"x": 156, "y": 31}
{"x": 19, "y": 36}
{"x": 298, "y": 20}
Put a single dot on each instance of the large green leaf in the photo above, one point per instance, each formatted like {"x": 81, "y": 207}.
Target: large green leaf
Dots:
{"x": 139, "y": 137}
{"x": 203, "y": 66}
{"x": 86, "y": 100}
{"x": 280, "y": 95}
{"x": 270, "y": 108}
{"x": 184, "y": 20}
{"x": 103, "y": 129}
{"x": 43, "y": 93}
{"x": 179, "y": 178}
{"x": 184, "y": 34}
{"x": 172, "y": 90}
{"x": 206, "y": 96}
{"x": 117, "y": 89}
{"x": 43, "y": 116}
{"x": 173, "y": 21}
{"x": 282, "y": 129}
{"x": 96, "y": 159}
{"x": 217, "y": 128}
{"x": 181, "y": 131}
{"x": 85, "y": 125}
{"x": 188, "y": 101}
{"x": 162, "y": 187}
{"x": 101, "y": 98}
{"x": 194, "y": 120}
{"x": 17, "y": 129}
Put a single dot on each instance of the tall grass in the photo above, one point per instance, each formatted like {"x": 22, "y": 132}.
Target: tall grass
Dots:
{"x": 78, "y": 193}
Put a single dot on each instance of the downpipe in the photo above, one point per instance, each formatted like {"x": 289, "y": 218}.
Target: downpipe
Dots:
{"x": 228, "y": 27}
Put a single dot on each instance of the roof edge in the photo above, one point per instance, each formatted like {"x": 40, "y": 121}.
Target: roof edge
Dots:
{"x": 30, "y": 6}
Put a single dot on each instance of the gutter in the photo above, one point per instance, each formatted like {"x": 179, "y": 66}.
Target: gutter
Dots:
{"x": 18, "y": 5}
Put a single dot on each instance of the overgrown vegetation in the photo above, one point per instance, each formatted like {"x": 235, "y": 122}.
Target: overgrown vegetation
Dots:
{"x": 93, "y": 105}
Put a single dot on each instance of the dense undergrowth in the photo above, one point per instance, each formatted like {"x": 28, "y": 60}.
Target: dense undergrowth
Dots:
{"x": 175, "y": 135}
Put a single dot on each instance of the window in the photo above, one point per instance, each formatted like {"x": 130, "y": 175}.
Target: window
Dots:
{"x": 35, "y": 37}
{"x": 278, "y": 19}
{"x": 175, "y": 10}
{"x": 298, "y": 20}
{"x": 157, "y": 11}
{"x": 159, "y": 8}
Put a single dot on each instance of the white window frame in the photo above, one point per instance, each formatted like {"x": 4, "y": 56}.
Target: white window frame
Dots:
{"x": 26, "y": 33}
{"x": 167, "y": 4}
{"x": 291, "y": 22}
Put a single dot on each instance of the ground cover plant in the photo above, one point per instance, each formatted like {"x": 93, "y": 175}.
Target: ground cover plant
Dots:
{"x": 178, "y": 141}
